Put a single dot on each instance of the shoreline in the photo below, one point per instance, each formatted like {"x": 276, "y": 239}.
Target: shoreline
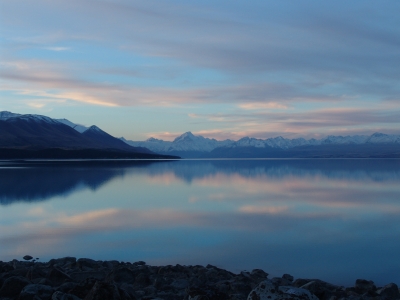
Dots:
{"x": 69, "y": 278}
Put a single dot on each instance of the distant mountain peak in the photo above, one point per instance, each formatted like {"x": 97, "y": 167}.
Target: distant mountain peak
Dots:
{"x": 151, "y": 139}
{"x": 378, "y": 134}
{"x": 186, "y": 136}
{"x": 94, "y": 128}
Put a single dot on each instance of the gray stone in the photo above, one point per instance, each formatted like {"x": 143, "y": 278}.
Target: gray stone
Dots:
{"x": 281, "y": 281}
{"x": 58, "y": 276}
{"x": 88, "y": 264}
{"x": 288, "y": 277}
{"x": 63, "y": 296}
{"x": 298, "y": 292}
{"x": 122, "y": 275}
{"x": 267, "y": 290}
{"x": 29, "y": 292}
{"x": 62, "y": 261}
{"x": 364, "y": 286}
{"x": 180, "y": 284}
{"x": 389, "y": 291}
{"x": 13, "y": 286}
{"x": 80, "y": 276}
{"x": 103, "y": 290}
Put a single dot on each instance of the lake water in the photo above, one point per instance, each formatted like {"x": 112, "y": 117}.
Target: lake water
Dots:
{"x": 337, "y": 220}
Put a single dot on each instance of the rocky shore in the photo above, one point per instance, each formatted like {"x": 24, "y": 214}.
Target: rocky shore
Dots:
{"x": 73, "y": 279}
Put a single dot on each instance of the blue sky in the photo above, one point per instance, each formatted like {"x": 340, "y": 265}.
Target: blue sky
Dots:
{"x": 223, "y": 69}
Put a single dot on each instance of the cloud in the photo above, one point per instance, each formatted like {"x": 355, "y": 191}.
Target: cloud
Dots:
{"x": 260, "y": 105}
{"x": 256, "y": 58}
{"x": 58, "y": 48}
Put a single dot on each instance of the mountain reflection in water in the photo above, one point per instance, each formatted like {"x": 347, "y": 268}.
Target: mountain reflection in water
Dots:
{"x": 37, "y": 181}
{"x": 332, "y": 219}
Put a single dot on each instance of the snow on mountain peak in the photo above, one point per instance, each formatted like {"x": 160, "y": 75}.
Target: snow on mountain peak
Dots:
{"x": 77, "y": 127}
{"x": 31, "y": 118}
{"x": 4, "y": 115}
{"x": 94, "y": 128}
{"x": 154, "y": 140}
{"x": 186, "y": 136}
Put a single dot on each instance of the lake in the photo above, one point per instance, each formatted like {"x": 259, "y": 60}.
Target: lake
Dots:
{"x": 337, "y": 220}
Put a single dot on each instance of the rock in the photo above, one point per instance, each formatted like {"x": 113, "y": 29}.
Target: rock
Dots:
{"x": 122, "y": 275}
{"x": 81, "y": 276}
{"x": 29, "y": 292}
{"x": 83, "y": 288}
{"x": 62, "y": 261}
{"x": 267, "y": 290}
{"x": 66, "y": 287}
{"x": 324, "y": 290}
{"x": 27, "y": 257}
{"x": 35, "y": 273}
{"x": 258, "y": 275}
{"x": 288, "y": 277}
{"x": 180, "y": 284}
{"x": 57, "y": 276}
{"x": 298, "y": 292}
{"x": 104, "y": 290}
{"x": 63, "y": 296}
{"x": 88, "y": 264}
{"x": 142, "y": 280}
{"x": 281, "y": 281}
{"x": 13, "y": 286}
{"x": 389, "y": 291}
{"x": 363, "y": 286}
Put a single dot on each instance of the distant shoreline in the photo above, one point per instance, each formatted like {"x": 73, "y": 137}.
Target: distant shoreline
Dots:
{"x": 58, "y": 153}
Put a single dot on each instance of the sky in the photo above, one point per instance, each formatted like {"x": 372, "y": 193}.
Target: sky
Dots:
{"x": 221, "y": 69}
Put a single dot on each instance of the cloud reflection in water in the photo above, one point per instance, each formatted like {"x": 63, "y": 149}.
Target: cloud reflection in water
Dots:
{"x": 308, "y": 218}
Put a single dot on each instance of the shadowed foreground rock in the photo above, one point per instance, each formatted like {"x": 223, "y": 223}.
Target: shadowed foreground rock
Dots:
{"x": 74, "y": 279}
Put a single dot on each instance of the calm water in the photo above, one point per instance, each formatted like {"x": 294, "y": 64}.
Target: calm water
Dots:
{"x": 337, "y": 220}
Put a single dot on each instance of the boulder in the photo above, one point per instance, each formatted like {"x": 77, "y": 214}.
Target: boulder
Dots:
{"x": 105, "y": 290}
{"x": 57, "y": 276}
{"x": 389, "y": 291}
{"x": 288, "y": 277}
{"x": 88, "y": 264}
{"x": 63, "y": 296}
{"x": 267, "y": 290}
{"x": 32, "y": 291}
{"x": 122, "y": 275}
{"x": 363, "y": 286}
{"x": 13, "y": 286}
{"x": 81, "y": 276}
{"x": 62, "y": 261}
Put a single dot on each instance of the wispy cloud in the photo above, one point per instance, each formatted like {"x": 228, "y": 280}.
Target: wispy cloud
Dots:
{"x": 58, "y": 48}
{"x": 260, "y": 105}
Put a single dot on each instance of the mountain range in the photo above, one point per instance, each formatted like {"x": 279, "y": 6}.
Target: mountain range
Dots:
{"x": 20, "y": 132}
{"x": 37, "y": 136}
{"x": 191, "y": 146}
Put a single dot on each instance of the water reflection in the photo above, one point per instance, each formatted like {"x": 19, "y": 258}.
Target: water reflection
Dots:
{"x": 36, "y": 181}
{"x": 332, "y": 219}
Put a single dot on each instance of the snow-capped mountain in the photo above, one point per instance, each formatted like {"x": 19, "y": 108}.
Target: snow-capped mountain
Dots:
{"x": 185, "y": 142}
{"x": 380, "y": 138}
{"x": 37, "y": 131}
{"x": 189, "y": 145}
{"x": 5, "y": 115}
{"x": 11, "y": 117}
{"x": 77, "y": 127}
